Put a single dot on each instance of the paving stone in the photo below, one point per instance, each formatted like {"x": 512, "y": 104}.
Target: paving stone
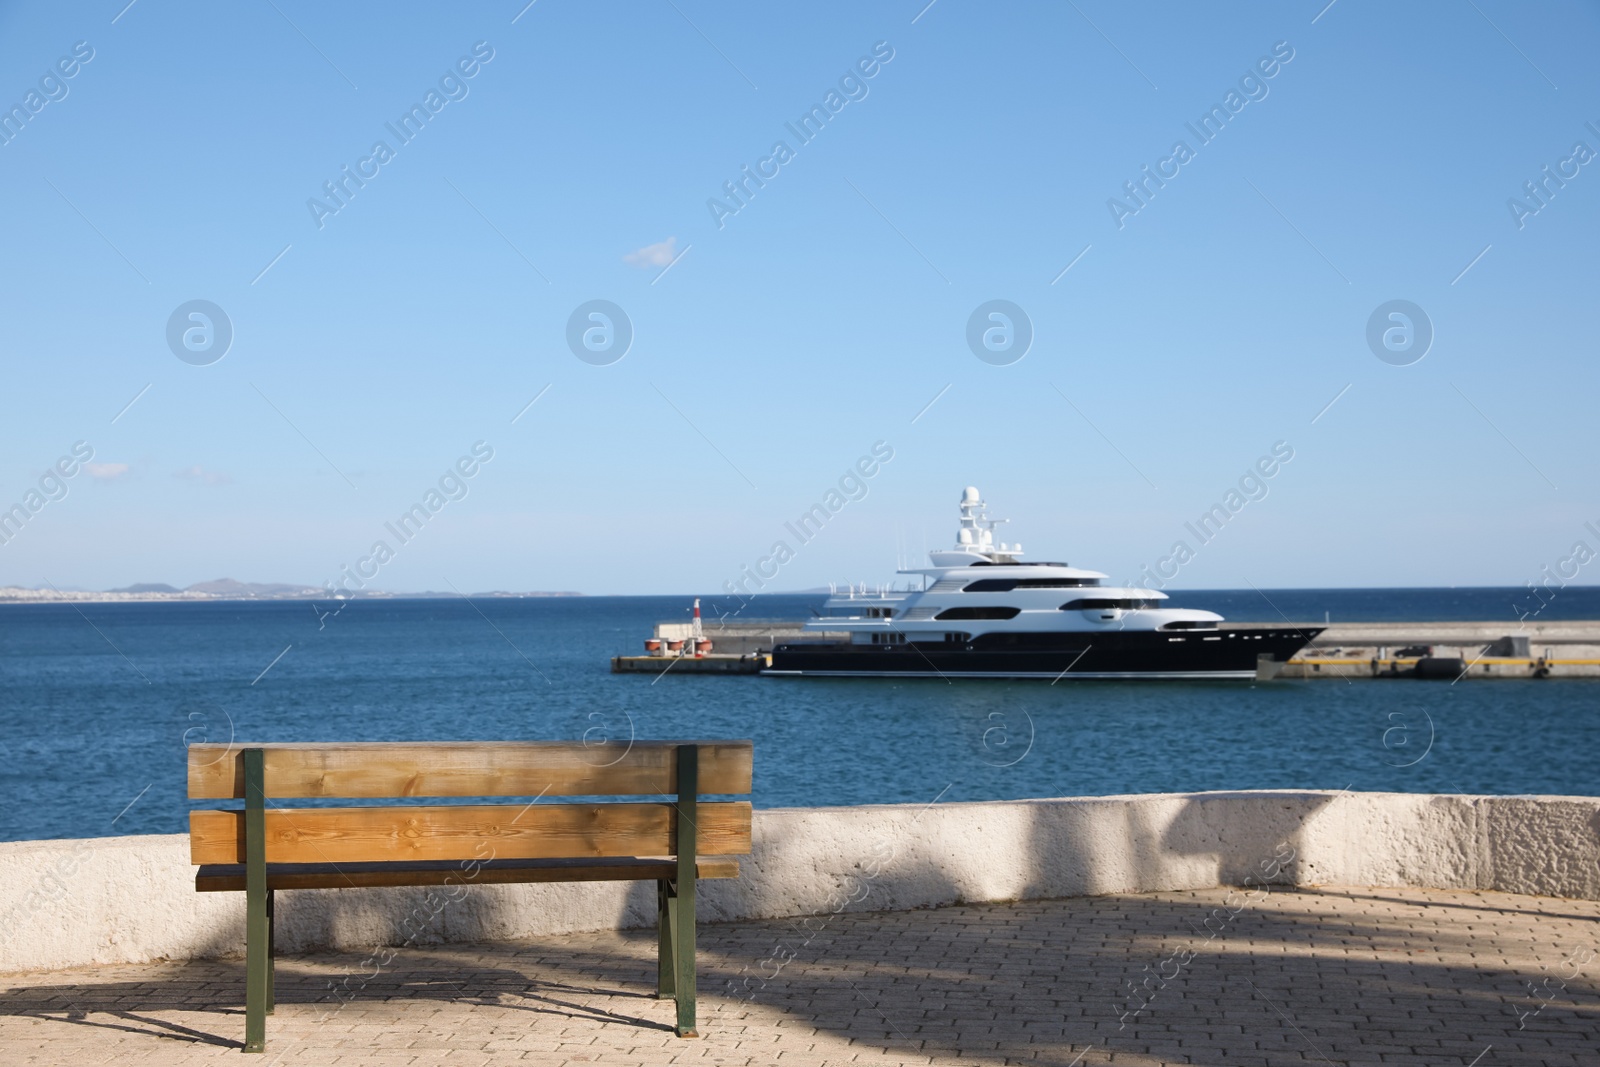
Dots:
{"x": 1331, "y": 975}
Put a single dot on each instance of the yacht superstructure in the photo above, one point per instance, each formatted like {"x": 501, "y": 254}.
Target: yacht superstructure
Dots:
{"x": 983, "y": 612}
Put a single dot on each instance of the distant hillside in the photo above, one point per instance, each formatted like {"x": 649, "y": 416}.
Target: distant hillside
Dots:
{"x": 228, "y": 589}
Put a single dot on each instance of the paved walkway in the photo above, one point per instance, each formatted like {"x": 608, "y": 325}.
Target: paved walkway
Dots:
{"x": 1331, "y": 976}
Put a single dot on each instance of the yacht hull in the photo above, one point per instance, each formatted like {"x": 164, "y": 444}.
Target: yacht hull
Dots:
{"x": 1227, "y": 653}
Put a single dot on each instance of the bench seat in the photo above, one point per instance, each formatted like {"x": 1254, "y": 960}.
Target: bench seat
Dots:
{"x": 230, "y": 877}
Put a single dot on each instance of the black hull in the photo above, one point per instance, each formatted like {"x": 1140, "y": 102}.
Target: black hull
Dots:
{"x": 1226, "y": 652}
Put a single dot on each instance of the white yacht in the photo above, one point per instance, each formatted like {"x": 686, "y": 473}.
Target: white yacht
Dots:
{"x": 983, "y": 612}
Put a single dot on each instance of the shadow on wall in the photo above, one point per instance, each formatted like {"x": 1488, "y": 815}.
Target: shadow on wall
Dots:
{"x": 417, "y": 916}
{"x": 1242, "y": 839}
{"x": 1156, "y": 843}
{"x": 818, "y": 863}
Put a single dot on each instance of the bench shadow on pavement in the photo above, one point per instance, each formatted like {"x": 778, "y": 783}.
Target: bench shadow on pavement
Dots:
{"x": 1042, "y": 982}
{"x": 209, "y": 994}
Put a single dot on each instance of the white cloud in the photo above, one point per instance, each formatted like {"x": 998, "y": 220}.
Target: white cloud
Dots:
{"x": 106, "y": 472}
{"x": 198, "y": 473}
{"x": 656, "y": 255}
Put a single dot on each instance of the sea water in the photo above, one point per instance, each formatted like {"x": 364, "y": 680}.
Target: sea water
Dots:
{"x": 98, "y": 701}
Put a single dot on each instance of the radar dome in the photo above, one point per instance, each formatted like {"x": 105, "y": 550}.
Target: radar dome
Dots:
{"x": 969, "y": 495}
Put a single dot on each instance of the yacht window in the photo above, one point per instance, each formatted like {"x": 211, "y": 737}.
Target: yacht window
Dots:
{"x": 1006, "y": 585}
{"x": 1106, "y": 604}
{"x": 978, "y": 613}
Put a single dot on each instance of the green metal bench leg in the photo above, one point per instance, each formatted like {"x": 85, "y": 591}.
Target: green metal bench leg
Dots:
{"x": 683, "y": 920}
{"x": 666, "y": 967}
{"x": 258, "y": 921}
{"x": 272, "y": 951}
{"x": 683, "y": 950}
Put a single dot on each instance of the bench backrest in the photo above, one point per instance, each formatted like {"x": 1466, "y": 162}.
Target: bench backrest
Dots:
{"x": 525, "y": 830}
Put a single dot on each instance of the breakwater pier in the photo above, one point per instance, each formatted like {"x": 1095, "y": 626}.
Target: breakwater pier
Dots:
{"x": 737, "y": 646}
{"x": 1451, "y": 650}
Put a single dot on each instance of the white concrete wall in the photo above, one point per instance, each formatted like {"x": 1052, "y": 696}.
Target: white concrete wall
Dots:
{"x": 132, "y": 899}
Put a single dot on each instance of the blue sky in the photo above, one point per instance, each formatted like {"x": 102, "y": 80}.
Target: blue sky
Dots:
{"x": 824, "y": 316}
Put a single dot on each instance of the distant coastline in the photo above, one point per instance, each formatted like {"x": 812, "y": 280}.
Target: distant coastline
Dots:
{"x": 227, "y": 589}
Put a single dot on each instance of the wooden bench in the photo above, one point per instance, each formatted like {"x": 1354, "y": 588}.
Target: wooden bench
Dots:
{"x": 259, "y": 850}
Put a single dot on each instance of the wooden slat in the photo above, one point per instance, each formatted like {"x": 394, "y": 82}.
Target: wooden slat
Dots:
{"x": 468, "y": 769}
{"x": 468, "y": 831}
{"x": 229, "y": 878}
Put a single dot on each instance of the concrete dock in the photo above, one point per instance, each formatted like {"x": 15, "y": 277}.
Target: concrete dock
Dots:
{"x": 738, "y": 646}
{"x": 1454, "y": 650}
{"x": 733, "y": 635}
{"x": 710, "y": 663}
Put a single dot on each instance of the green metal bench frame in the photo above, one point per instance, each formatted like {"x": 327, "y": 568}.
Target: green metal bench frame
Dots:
{"x": 675, "y": 903}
